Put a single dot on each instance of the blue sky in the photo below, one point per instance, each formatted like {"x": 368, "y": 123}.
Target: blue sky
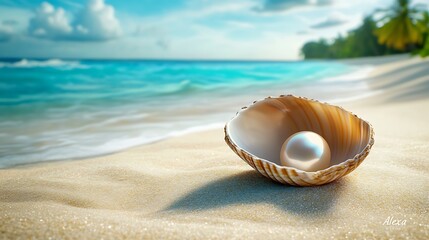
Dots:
{"x": 174, "y": 29}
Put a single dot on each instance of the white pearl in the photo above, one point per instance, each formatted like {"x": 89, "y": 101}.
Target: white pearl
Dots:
{"x": 307, "y": 151}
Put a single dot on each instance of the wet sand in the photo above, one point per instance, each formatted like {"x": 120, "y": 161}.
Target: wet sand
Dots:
{"x": 195, "y": 187}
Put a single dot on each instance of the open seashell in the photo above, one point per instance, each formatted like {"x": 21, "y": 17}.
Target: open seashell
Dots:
{"x": 257, "y": 132}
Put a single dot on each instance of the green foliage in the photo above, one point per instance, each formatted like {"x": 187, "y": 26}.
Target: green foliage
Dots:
{"x": 423, "y": 24}
{"x": 360, "y": 42}
{"x": 403, "y": 28}
{"x": 400, "y": 25}
{"x": 424, "y": 52}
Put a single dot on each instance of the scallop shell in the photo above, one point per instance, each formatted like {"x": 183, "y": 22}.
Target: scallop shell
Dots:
{"x": 257, "y": 133}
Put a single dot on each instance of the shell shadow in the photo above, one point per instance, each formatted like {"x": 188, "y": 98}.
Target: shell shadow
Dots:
{"x": 250, "y": 187}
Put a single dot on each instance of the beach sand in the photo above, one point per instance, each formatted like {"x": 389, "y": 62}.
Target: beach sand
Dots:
{"x": 195, "y": 187}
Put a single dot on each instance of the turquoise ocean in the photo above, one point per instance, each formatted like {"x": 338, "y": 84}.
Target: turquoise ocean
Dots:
{"x": 57, "y": 109}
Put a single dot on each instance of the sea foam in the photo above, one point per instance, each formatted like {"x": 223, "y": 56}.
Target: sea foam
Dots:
{"x": 25, "y": 63}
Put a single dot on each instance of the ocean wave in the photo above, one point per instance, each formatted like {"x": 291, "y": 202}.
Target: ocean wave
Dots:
{"x": 25, "y": 63}
{"x": 183, "y": 86}
{"x": 67, "y": 149}
{"x": 114, "y": 105}
{"x": 179, "y": 88}
{"x": 186, "y": 87}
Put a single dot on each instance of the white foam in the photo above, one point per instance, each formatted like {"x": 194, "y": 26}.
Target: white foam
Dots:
{"x": 59, "y": 152}
{"x": 25, "y": 63}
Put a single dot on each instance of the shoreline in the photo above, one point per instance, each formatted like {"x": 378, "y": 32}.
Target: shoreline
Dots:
{"x": 8, "y": 59}
{"x": 174, "y": 134}
{"x": 359, "y": 75}
{"x": 148, "y": 126}
{"x": 193, "y": 186}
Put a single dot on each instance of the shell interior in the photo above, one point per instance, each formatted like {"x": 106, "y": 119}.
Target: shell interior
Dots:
{"x": 262, "y": 128}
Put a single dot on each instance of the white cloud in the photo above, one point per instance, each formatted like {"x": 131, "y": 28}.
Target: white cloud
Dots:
{"x": 334, "y": 19}
{"x": 95, "y": 22}
{"x": 283, "y": 5}
{"x": 6, "y": 32}
{"x": 49, "y": 22}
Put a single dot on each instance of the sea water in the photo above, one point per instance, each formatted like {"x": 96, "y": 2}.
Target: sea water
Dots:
{"x": 55, "y": 109}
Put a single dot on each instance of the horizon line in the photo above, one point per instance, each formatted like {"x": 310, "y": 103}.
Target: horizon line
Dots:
{"x": 158, "y": 59}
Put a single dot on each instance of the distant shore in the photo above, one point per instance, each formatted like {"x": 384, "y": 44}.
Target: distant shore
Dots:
{"x": 375, "y": 60}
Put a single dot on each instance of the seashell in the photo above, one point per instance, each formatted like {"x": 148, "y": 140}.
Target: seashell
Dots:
{"x": 257, "y": 132}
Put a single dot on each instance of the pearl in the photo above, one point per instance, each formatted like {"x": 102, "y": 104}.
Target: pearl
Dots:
{"x": 307, "y": 151}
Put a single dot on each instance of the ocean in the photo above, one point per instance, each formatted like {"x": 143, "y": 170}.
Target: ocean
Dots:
{"x": 56, "y": 109}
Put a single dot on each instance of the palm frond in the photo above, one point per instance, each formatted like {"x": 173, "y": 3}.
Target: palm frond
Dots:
{"x": 401, "y": 26}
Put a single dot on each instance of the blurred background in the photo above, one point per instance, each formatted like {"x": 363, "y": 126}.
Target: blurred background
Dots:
{"x": 202, "y": 29}
{"x": 90, "y": 77}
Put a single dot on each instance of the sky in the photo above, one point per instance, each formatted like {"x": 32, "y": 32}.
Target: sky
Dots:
{"x": 174, "y": 29}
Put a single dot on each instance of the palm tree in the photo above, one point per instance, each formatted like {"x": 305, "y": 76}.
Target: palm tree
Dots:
{"x": 424, "y": 26}
{"x": 400, "y": 25}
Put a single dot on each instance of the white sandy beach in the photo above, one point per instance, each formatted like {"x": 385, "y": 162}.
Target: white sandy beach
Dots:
{"x": 195, "y": 187}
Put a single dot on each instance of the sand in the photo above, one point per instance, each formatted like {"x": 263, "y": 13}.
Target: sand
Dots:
{"x": 195, "y": 187}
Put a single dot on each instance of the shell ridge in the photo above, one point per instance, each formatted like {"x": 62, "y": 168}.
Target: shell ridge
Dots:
{"x": 347, "y": 121}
